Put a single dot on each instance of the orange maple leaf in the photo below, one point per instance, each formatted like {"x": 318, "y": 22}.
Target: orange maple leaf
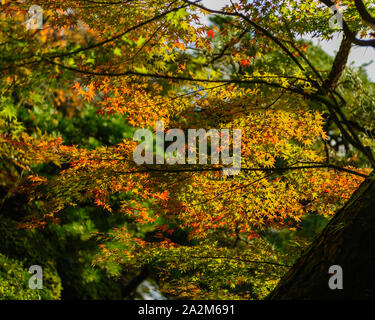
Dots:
{"x": 244, "y": 62}
{"x": 76, "y": 86}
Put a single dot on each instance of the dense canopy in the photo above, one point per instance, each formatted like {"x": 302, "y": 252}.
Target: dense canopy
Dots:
{"x": 75, "y": 89}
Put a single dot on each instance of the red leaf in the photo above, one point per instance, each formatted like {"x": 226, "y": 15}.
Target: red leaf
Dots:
{"x": 210, "y": 33}
{"x": 244, "y": 62}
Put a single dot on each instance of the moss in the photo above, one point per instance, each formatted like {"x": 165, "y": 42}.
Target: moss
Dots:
{"x": 65, "y": 257}
{"x": 29, "y": 248}
{"x": 14, "y": 280}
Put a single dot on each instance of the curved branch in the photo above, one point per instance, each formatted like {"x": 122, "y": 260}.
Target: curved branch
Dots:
{"x": 101, "y": 43}
{"x": 365, "y": 15}
{"x": 253, "y": 24}
{"x": 216, "y": 169}
{"x": 242, "y": 260}
{"x": 350, "y": 34}
{"x": 174, "y": 78}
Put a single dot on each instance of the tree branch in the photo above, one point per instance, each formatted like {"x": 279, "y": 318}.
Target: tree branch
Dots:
{"x": 351, "y": 35}
{"x": 339, "y": 64}
{"x": 216, "y": 169}
{"x": 365, "y": 15}
{"x": 254, "y": 25}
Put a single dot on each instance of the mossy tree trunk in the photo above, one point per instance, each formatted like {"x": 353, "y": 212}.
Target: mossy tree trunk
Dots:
{"x": 348, "y": 241}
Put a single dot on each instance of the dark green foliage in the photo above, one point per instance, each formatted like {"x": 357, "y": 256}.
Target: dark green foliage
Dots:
{"x": 14, "y": 281}
{"x": 65, "y": 251}
{"x": 292, "y": 243}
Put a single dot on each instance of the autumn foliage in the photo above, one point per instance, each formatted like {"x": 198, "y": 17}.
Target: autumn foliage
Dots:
{"x": 204, "y": 234}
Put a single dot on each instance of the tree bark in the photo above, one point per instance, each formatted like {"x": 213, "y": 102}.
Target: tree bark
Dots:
{"x": 348, "y": 241}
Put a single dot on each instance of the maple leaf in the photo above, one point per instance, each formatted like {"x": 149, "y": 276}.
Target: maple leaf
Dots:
{"x": 76, "y": 86}
{"x": 245, "y": 62}
{"x": 90, "y": 93}
{"x": 179, "y": 45}
{"x": 210, "y": 33}
{"x": 81, "y": 92}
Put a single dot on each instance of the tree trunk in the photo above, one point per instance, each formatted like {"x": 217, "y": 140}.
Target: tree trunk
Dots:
{"x": 348, "y": 241}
